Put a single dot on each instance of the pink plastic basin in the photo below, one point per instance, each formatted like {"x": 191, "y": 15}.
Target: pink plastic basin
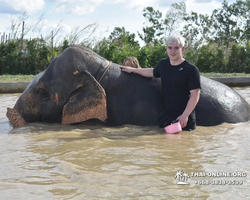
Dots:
{"x": 173, "y": 128}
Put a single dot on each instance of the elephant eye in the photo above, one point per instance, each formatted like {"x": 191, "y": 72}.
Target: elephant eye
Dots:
{"x": 44, "y": 96}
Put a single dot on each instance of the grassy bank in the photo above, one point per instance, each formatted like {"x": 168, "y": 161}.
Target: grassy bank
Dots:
{"x": 28, "y": 78}
{"x": 227, "y": 75}
{"x": 16, "y": 78}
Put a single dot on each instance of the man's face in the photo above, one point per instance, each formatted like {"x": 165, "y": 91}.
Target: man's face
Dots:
{"x": 174, "y": 51}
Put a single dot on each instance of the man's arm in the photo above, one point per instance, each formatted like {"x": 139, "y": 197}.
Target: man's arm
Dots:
{"x": 192, "y": 102}
{"x": 147, "y": 72}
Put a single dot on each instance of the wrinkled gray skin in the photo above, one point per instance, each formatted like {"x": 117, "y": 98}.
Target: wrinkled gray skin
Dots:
{"x": 69, "y": 87}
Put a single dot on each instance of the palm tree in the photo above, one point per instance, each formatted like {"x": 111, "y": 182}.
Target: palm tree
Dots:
{"x": 185, "y": 177}
{"x": 179, "y": 175}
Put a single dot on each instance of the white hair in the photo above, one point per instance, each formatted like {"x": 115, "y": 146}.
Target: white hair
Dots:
{"x": 177, "y": 38}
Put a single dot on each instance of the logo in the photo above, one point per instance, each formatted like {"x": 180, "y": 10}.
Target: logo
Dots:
{"x": 180, "y": 69}
{"x": 182, "y": 178}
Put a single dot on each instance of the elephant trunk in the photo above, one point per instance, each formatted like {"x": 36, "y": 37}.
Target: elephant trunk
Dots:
{"x": 15, "y": 118}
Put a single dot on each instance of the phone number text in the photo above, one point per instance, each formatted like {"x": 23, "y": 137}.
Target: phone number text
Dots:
{"x": 218, "y": 182}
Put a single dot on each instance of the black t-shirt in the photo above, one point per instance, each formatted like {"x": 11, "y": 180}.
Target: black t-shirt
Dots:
{"x": 177, "y": 81}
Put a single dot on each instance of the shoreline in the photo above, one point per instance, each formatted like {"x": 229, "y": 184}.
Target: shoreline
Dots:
{"x": 13, "y": 87}
{"x": 234, "y": 81}
{"x": 19, "y": 87}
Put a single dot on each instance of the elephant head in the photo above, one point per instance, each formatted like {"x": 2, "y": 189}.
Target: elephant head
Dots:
{"x": 66, "y": 92}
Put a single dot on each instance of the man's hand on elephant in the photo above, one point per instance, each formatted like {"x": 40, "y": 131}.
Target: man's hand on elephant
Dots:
{"x": 127, "y": 69}
{"x": 146, "y": 72}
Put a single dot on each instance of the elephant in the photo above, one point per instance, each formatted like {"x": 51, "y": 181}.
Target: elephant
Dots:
{"x": 79, "y": 85}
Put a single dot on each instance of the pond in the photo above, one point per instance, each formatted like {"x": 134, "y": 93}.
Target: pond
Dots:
{"x": 53, "y": 161}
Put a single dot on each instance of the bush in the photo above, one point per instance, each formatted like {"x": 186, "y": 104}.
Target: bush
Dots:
{"x": 28, "y": 60}
{"x": 33, "y": 58}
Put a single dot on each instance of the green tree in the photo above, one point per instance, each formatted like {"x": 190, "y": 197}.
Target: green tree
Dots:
{"x": 241, "y": 13}
{"x": 153, "y": 29}
{"x": 174, "y": 17}
{"x": 196, "y": 30}
{"x": 205, "y": 59}
{"x": 155, "y": 53}
{"x": 65, "y": 44}
{"x": 230, "y": 23}
{"x": 246, "y": 65}
{"x": 191, "y": 55}
{"x": 219, "y": 61}
{"x": 12, "y": 58}
{"x": 143, "y": 57}
{"x": 224, "y": 27}
{"x": 119, "y": 45}
{"x": 236, "y": 59}
{"x": 121, "y": 37}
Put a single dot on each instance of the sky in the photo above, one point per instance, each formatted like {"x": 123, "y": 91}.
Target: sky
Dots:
{"x": 105, "y": 14}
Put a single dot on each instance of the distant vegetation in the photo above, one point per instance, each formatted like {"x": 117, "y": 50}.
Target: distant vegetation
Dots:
{"x": 16, "y": 78}
{"x": 219, "y": 43}
{"x": 28, "y": 78}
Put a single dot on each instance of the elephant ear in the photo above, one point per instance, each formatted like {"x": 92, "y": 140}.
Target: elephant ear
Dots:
{"x": 87, "y": 102}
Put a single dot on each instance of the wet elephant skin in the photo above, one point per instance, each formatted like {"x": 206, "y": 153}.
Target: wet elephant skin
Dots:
{"x": 69, "y": 92}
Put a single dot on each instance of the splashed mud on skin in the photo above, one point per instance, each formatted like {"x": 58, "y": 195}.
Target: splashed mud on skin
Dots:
{"x": 56, "y": 98}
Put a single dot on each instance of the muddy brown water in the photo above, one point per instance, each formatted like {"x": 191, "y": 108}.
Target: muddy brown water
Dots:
{"x": 52, "y": 161}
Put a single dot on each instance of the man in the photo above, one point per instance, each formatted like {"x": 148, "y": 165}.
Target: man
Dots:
{"x": 180, "y": 84}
